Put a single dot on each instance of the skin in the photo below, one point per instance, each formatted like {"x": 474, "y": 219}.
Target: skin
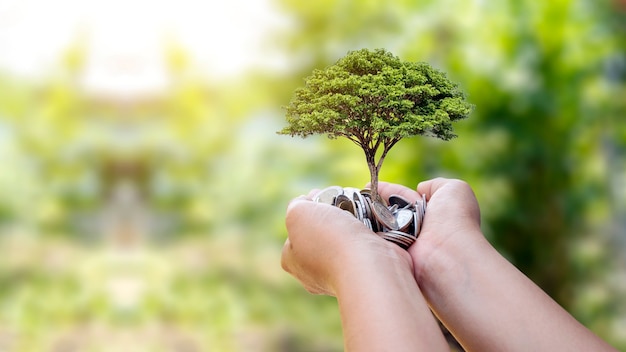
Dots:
{"x": 380, "y": 304}
{"x": 485, "y": 302}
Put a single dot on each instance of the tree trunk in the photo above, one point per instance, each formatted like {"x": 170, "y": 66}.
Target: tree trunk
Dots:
{"x": 371, "y": 165}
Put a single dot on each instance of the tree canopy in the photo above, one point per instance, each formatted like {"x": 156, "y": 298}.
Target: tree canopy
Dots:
{"x": 375, "y": 99}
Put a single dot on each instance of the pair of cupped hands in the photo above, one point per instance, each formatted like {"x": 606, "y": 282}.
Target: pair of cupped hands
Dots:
{"x": 326, "y": 244}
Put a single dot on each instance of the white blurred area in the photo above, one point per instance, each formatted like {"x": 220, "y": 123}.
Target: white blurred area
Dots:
{"x": 125, "y": 40}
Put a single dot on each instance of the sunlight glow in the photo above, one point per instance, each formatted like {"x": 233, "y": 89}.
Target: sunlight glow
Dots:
{"x": 125, "y": 40}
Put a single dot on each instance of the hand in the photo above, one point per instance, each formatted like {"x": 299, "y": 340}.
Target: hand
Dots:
{"x": 381, "y": 307}
{"x": 473, "y": 289}
{"x": 328, "y": 246}
{"x": 452, "y": 217}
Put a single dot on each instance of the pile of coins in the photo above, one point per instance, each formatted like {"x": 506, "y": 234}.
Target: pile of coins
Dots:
{"x": 399, "y": 221}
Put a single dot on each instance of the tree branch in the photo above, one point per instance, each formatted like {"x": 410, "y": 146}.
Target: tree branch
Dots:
{"x": 376, "y": 144}
{"x": 386, "y": 148}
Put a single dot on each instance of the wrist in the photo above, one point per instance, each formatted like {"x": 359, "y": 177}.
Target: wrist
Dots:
{"x": 381, "y": 305}
{"x": 369, "y": 262}
{"x": 440, "y": 266}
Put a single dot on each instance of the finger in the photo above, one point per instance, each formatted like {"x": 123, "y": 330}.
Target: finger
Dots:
{"x": 386, "y": 190}
{"x": 453, "y": 190}
{"x": 293, "y": 204}
{"x": 431, "y": 186}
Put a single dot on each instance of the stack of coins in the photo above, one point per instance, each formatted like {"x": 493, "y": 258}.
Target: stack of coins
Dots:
{"x": 398, "y": 221}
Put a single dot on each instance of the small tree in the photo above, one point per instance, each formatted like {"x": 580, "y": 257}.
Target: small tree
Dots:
{"x": 374, "y": 99}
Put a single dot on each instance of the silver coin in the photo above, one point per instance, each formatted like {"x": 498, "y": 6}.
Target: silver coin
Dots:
{"x": 359, "y": 201}
{"x": 349, "y": 191}
{"x": 328, "y": 195}
{"x": 417, "y": 224}
{"x": 376, "y": 225}
{"x": 368, "y": 223}
{"x": 420, "y": 213}
{"x": 401, "y": 239}
{"x": 417, "y": 206}
{"x": 399, "y": 200}
{"x": 359, "y": 212}
{"x": 368, "y": 207}
{"x": 360, "y": 197}
{"x": 343, "y": 202}
{"x": 404, "y": 218}
{"x": 398, "y": 220}
{"x": 384, "y": 216}
{"x": 402, "y": 236}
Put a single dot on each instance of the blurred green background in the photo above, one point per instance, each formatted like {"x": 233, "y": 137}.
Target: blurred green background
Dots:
{"x": 143, "y": 187}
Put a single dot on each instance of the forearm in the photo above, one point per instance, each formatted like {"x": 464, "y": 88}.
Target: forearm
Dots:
{"x": 489, "y": 305}
{"x": 382, "y": 309}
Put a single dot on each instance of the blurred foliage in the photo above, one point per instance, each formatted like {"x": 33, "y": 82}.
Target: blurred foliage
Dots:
{"x": 156, "y": 224}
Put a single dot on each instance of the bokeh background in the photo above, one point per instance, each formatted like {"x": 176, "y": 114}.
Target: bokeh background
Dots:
{"x": 143, "y": 186}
